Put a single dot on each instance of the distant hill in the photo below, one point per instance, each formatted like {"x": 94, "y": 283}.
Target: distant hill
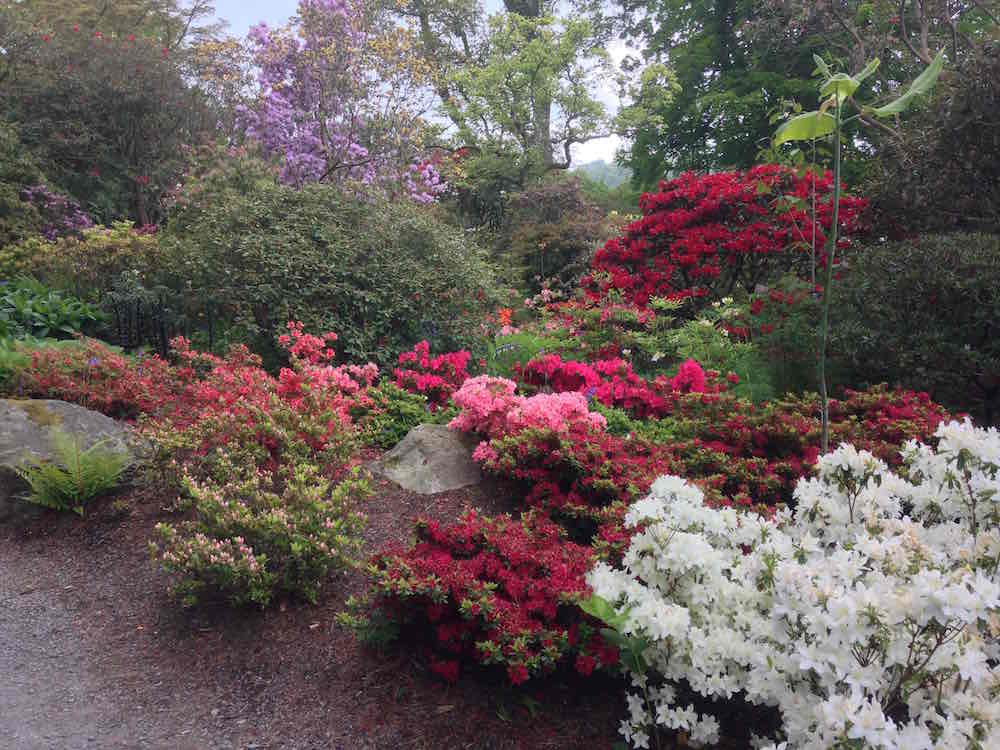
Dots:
{"x": 600, "y": 171}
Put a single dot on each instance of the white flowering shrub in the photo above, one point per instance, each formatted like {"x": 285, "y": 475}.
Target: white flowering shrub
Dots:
{"x": 868, "y": 618}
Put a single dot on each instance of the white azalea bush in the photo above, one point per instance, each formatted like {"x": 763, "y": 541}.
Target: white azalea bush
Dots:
{"x": 868, "y": 618}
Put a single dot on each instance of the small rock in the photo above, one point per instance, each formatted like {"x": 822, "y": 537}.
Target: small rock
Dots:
{"x": 431, "y": 458}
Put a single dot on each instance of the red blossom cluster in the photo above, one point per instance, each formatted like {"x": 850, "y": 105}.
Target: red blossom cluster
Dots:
{"x": 614, "y": 383}
{"x": 495, "y": 591}
{"x": 202, "y": 387}
{"x": 434, "y": 377}
{"x": 701, "y": 235}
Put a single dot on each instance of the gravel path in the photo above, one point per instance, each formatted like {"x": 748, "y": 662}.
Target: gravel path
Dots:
{"x": 60, "y": 688}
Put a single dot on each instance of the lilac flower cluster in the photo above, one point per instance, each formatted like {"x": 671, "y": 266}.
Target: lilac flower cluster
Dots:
{"x": 62, "y": 215}
{"x": 320, "y": 107}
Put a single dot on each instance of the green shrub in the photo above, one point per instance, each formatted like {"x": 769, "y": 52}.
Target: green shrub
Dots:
{"x": 711, "y": 340}
{"x": 520, "y": 348}
{"x": 392, "y": 414}
{"x": 18, "y": 218}
{"x": 76, "y": 477}
{"x": 382, "y": 275}
{"x": 784, "y": 324}
{"x": 118, "y": 268}
{"x": 925, "y": 313}
{"x": 258, "y": 533}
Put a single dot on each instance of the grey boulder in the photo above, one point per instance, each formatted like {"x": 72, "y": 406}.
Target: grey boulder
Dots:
{"x": 431, "y": 458}
{"x": 25, "y": 428}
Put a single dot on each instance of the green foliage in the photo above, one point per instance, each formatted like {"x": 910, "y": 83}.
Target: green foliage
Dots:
{"x": 107, "y": 114}
{"x": 712, "y": 111}
{"x": 505, "y": 352}
{"x": 392, "y": 413}
{"x": 76, "y": 477}
{"x": 708, "y": 341}
{"x": 29, "y": 308}
{"x": 786, "y": 332}
{"x": 254, "y": 254}
{"x": 549, "y": 234}
{"x": 18, "y": 170}
{"x": 256, "y": 534}
{"x": 923, "y": 313}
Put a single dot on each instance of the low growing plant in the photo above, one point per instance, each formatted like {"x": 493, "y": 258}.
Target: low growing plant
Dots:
{"x": 256, "y": 533}
{"x": 76, "y": 476}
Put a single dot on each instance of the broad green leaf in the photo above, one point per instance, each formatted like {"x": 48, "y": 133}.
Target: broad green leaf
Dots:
{"x": 869, "y": 69}
{"x": 805, "y": 127}
{"x": 840, "y": 86}
{"x": 921, "y": 85}
{"x": 602, "y": 609}
{"x": 823, "y": 67}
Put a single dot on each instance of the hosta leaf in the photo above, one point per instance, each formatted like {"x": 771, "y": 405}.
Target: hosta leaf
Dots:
{"x": 805, "y": 127}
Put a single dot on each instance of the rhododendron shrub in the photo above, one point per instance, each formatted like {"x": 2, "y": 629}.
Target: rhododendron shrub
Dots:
{"x": 493, "y": 591}
{"x": 434, "y": 377}
{"x": 257, "y": 533}
{"x": 701, "y": 236}
{"x": 868, "y": 617}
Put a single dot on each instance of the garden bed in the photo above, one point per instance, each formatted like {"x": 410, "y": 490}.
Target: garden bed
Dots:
{"x": 149, "y": 675}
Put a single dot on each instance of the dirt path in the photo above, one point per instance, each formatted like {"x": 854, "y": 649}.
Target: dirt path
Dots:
{"x": 94, "y": 655}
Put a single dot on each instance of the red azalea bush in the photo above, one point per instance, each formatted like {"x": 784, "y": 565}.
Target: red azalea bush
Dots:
{"x": 102, "y": 379}
{"x": 434, "y": 377}
{"x": 702, "y": 235}
{"x": 614, "y": 383}
{"x": 494, "y": 591}
{"x": 490, "y": 407}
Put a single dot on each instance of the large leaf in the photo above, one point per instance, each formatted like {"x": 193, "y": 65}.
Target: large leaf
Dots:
{"x": 805, "y": 127}
{"x": 822, "y": 66}
{"x": 921, "y": 85}
{"x": 604, "y": 611}
{"x": 841, "y": 86}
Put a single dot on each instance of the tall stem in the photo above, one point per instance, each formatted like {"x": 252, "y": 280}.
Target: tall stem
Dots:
{"x": 828, "y": 282}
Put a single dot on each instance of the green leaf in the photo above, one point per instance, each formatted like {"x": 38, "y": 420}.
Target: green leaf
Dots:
{"x": 869, "y": 69}
{"x": 823, "y": 67}
{"x": 602, "y": 610}
{"x": 805, "y": 127}
{"x": 840, "y": 86}
{"x": 921, "y": 85}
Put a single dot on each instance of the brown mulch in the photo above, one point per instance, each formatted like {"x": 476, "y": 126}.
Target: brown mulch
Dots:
{"x": 100, "y": 657}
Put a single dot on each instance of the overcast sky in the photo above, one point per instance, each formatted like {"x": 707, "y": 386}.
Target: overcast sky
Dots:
{"x": 242, "y": 14}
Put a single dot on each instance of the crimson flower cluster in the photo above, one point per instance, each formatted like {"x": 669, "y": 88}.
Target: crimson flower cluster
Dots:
{"x": 495, "y": 591}
{"x": 434, "y": 377}
{"x": 702, "y": 235}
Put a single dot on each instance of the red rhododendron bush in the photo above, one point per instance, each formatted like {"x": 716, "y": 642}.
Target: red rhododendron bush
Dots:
{"x": 704, "y": 235}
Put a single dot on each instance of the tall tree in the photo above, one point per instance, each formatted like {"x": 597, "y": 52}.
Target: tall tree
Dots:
{"x": 517, "y": 88}
{"x": 950, "y": 146}
{"x": 342, "y": 99}
{"x": 726, "y": 87}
